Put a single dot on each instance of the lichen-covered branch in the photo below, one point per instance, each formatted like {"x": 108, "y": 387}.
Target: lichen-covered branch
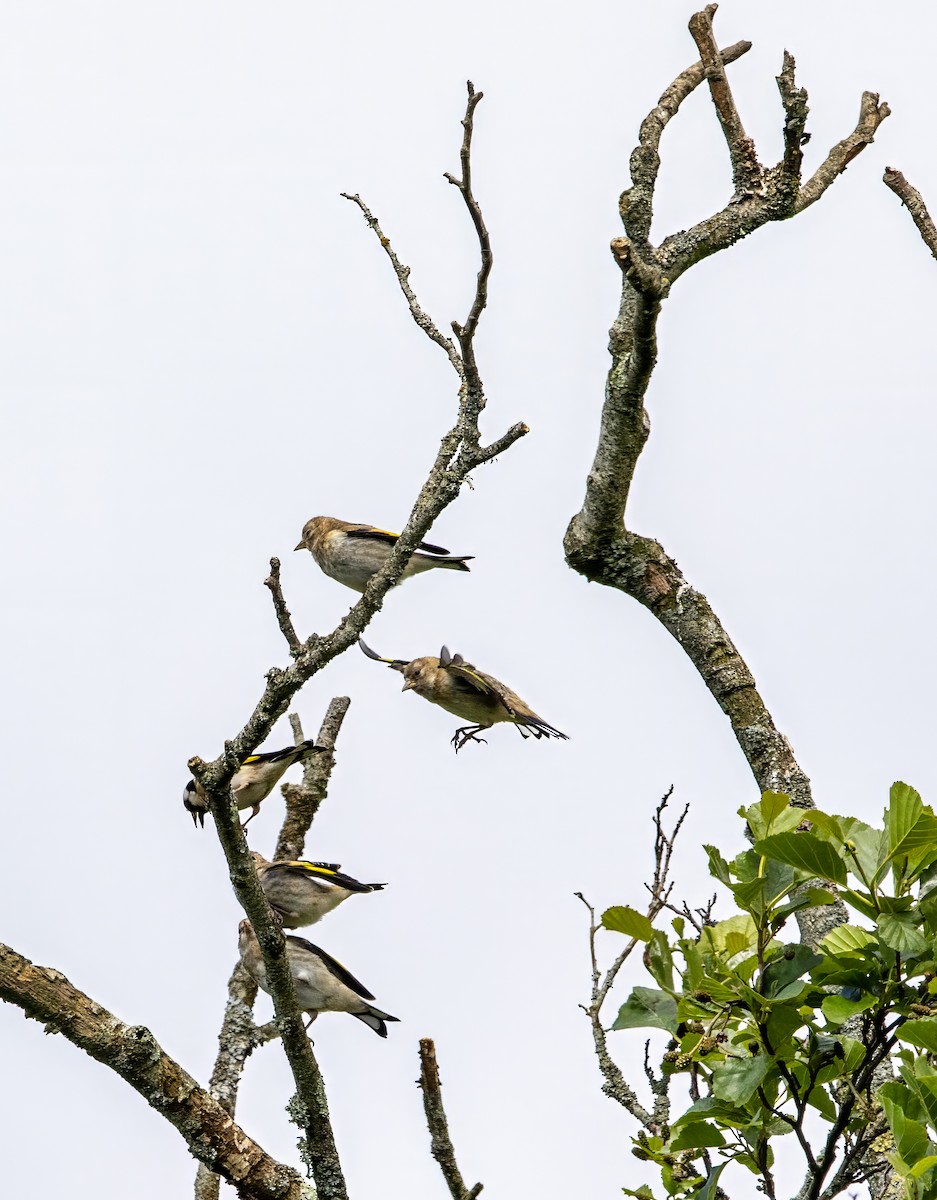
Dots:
{"x": 913, "y": 201}
{"x": 303, "y": 800}
{"x": 597, "y": 543}
{"x": 440, "y": 1141}
{"x": 239, "y": 1036}
{"x": 133, "y": 1053}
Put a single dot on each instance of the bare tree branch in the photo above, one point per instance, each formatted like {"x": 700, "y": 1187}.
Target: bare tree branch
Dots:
{"x": 459, "y": 452}
{"x": 615, "y": 1086}
{"x": 440, "y": 1141}
{"x": 239, "y": 1036}
{"x": 133, "y": 1053}
{"x": 304, "y": 800}
{"x": 597, "y": 543}
{"x": 746, "y": 169}
{"x": 913, "y": 201}
{"x": 284, "y": 619}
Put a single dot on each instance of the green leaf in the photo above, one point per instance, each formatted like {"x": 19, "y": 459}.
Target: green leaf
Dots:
{"x": 922, "y": 1166}
{"x": 901, "y": 934}
{"x": 790, "y": 964}
{"x": 837, "y": 1008}
{"x": 659, "y": 960}
{"x": 846, "y": 940}
{"x": 902, "y": 1109}
{"x": 646, "y": 1008}
{"x": 772, "y": 814}
{"x": 806, "y": 852}
{"x": 718, "y": 867}
{"x": 622, "y": 919}
{"x": 641, "y": 1193}
{"x": 784, "y": 1020}
{"x": 718, "y": 935}
{"x": 925, "y": 1088}
{"x": 904, "y": 809}
{"x": 921, "y": 1033}
{"x": 866, "y": 848}
{"x": 710, "y": 1188}
{"x": 738, "y": 1079}
{"x": 695, "y": 1135}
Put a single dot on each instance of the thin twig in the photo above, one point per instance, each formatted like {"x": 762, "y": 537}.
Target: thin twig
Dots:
{"x": 402, "y": 271}
{"x": 284, "y": 618}
{"x": 913, "y": 201}
{"x": 440, "y": 1140}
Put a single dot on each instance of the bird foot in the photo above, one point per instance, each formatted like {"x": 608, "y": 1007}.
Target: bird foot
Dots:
{"x": 468, "y": 733}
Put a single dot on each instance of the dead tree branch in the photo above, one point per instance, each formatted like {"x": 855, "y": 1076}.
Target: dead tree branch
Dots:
{"x": 598, "y": 545}
{"x": 913, "y": 201}
{"x": 239, "y": 1037}
{"x": 440, "y": 1141}
{"x": 459, "y": 453}
{"x": 133, "y": 1053}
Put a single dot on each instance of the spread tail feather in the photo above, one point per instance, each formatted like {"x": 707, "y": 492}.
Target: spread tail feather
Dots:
{"x": 374, "y": 1019}
{"x": 454, "y": 564}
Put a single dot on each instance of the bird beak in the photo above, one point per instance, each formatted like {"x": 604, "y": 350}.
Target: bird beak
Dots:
{"x": 301, "y": 546}
{"x": 407, "y": 686}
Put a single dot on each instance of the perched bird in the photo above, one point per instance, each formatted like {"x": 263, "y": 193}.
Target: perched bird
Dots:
{"x": 322, "y": 984}
{"x": 352, "y": 553}
{"x": 462, "y": 689}
{"x": 253, "y": 781}
{"x": 301, "y": 893}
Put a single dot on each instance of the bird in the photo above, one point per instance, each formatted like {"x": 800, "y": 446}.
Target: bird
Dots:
{"x": 322, "y": 984}
{"x": 252, "y": 782}
{"x": 301, "y": 893}
{"x": 352, "y": 553}
{"x": 463, "y": 690}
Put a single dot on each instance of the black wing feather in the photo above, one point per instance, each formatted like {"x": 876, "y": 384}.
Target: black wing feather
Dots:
{"x": 381, "y": 535}
{"x": 341, "y": 973}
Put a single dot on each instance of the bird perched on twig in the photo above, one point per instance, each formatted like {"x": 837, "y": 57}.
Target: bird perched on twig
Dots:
{"x": 301, "y": 893}
{"x": 322, "y": 984}
{"x": 463, "y": 690}
{"x": 253, "y": 781}
{"x": 353, "y": 553}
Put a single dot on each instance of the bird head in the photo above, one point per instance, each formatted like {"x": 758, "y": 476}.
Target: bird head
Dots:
{"x": 314, "y": 529}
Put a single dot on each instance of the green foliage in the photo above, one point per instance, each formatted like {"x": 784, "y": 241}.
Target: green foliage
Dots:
{"x": 769, "y": 1033}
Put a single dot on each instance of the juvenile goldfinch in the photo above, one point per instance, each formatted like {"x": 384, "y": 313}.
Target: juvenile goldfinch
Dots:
{"x": 253, "y": 781}
{"x": 463, "y": 690}
{"x": 301, "y": 893}
{"x": 322, "y": 984}
{"x": 353, "y": 553}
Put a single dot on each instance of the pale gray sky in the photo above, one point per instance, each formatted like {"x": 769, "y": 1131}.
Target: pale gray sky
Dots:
{"x": 204, "y": 347}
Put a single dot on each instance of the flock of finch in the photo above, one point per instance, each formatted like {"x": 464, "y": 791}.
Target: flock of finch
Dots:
{"x": 301, "y": 893}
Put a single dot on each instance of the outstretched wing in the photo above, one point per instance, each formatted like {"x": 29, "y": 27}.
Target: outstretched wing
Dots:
{"x": 382, "y": 535}
{"x": 342, "y": 974}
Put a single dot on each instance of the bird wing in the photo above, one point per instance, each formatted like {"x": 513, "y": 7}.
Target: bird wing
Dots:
{"x": 383, "y": 535}
{"x": 342, "y": 974}
{"x": 473, "y": 681}
{"x": 279, "y": 755}
{"x": 328, "y": 872}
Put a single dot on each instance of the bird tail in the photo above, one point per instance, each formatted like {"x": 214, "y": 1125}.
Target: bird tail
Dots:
{"x": 374, "y": 1019}
{"x": 454, "y": 564}
{"x": 540, "y": 728}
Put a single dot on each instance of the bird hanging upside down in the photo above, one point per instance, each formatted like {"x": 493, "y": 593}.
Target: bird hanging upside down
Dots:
{"x": 252, "y": 782}
{"x": 466, "y": 692}
{"x": 351, "y": 554}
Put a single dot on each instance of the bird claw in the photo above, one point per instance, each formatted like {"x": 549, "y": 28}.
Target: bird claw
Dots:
{"x": 468, "y": 733}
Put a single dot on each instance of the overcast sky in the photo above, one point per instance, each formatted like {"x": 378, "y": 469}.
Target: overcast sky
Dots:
{"x": 203, "y": 347}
